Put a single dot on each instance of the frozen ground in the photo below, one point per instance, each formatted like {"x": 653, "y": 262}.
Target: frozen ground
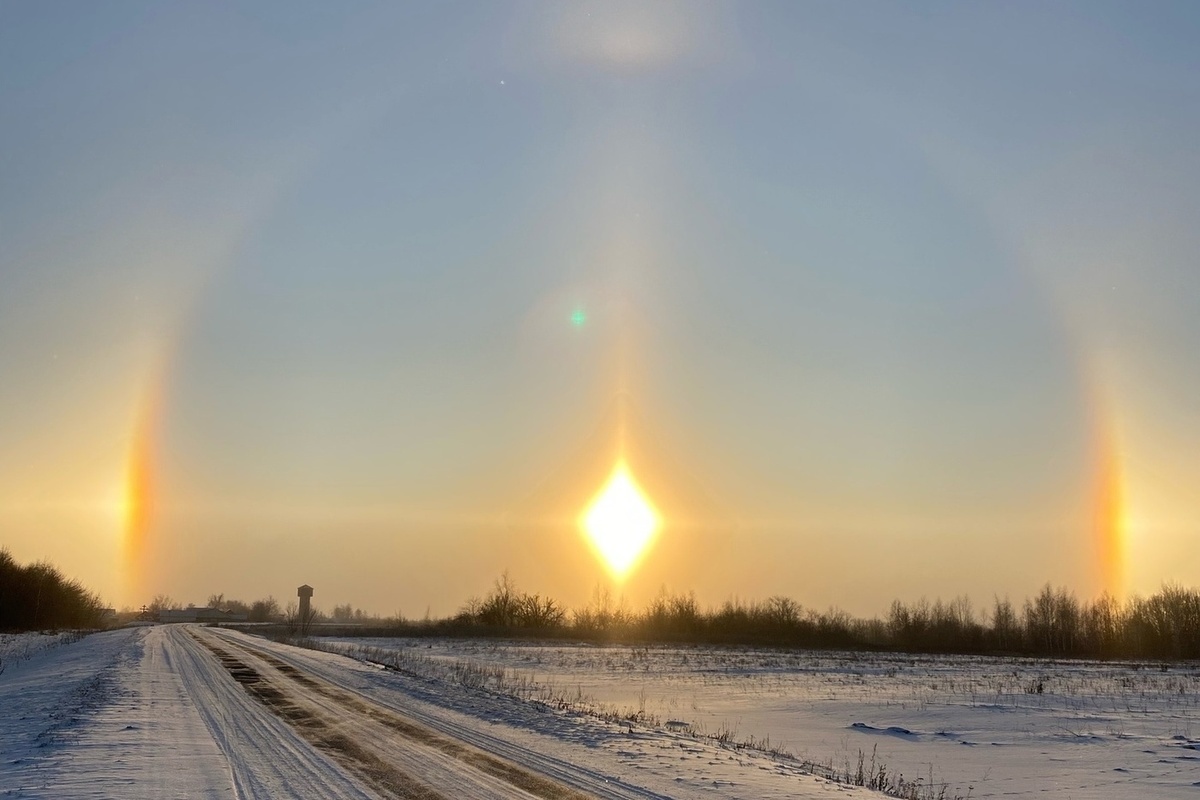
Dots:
{"x": 186, "y": 712}
{"x": 1095, "y": 730}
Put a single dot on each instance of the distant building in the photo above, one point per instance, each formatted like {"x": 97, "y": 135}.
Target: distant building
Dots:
{"x": 199, "y": 615}
{"x": 305, "y": 594}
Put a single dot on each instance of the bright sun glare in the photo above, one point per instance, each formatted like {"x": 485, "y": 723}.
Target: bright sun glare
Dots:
{"x": 620, "y": 522}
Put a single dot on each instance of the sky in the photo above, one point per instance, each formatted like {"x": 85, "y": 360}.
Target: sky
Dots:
{"x": 872, "y": 300}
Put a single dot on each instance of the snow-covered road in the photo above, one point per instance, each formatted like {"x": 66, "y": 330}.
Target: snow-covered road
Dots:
{"x": 188, "y": 712}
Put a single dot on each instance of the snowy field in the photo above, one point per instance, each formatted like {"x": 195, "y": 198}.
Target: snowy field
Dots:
{"x": 18, "y": 647}
{"x": 181, "y": 711}
{"x": 187, "y": 712}
{"x": 979, "y": 724}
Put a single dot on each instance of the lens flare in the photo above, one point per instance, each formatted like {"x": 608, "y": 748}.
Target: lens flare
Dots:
{"x": 620, "y": 522}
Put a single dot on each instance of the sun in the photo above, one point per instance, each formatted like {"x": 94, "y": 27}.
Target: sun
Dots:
{"x": 620, "y": 523}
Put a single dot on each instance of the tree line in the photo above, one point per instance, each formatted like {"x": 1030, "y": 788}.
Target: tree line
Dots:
{"x": 1053, "y": 623}
{"x": 1165, "y": 625}
{"x": 265, "y": 609}
{"x": 38, "y": 597}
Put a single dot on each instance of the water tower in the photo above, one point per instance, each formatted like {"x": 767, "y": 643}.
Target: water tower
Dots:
{"x": 305, "y": 594}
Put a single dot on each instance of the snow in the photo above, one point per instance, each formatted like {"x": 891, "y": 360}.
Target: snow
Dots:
{"x": 18, "y": 647}
{"x": 1096, "y": 730}
{"x": 181, "y": 711}
{"x": 598, "y": 757}
{"x": 139, "y": 713}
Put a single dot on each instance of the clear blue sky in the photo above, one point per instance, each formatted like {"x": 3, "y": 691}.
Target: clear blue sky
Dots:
{"x": 888, "y": 290}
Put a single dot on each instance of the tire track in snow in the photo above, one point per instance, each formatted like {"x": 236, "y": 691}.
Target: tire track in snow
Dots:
{"x": 266, "y": 758}
{"x": 323, "y": 735}
{"x": 508, "y": 777}
{"x": 586, "y": 779}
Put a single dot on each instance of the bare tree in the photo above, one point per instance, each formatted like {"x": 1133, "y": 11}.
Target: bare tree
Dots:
{"x": 299, "y": 624}
{"x": 163, "y": 602}
{"x": 263, "y": 610}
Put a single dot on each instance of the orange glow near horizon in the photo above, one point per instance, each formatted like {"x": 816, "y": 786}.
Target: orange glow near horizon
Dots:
{"x": 620, "y": 522}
